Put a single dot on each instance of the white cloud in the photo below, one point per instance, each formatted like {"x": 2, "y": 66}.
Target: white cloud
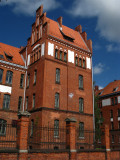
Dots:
{"x": 113, "y": 48}
{"x": 98, "y": 69}
{"x": 107, "y": 13}
{"x": 28, "y": 7}
{"x": 100, "y": 87}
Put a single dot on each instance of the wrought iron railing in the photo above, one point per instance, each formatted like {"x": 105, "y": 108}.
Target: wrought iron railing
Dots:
{"x": 47, "y": 138}
{"x": 89, "y": 140}
{"x": 8, "y": 136}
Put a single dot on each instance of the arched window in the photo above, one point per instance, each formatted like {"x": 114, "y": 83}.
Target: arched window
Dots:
{"x": 56, "y": 127}
{"x": 3, "y": 124}
{"x": 56, "y": 100}
{"x": 81, "y": 104}
{"x": 80, "y": 82}
{"x": 9, "y": 76}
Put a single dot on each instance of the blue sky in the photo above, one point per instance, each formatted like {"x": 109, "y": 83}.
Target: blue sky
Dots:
{"x": 99, "y": 18}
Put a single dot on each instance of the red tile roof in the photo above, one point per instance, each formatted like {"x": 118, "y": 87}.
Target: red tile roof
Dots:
{"x": 110, "y": 88}
{"x": 55, "y": 31}
{"x": 11, "y": 51}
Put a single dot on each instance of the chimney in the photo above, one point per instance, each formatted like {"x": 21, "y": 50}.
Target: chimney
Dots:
{"x": 60, "y": 21}
{"x": 96, "y": 88}
{"x": 84, "y": 36}
{"x": 78, "y": 28}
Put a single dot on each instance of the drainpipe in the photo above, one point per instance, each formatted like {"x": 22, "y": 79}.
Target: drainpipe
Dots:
{"x": 25, "y": 81}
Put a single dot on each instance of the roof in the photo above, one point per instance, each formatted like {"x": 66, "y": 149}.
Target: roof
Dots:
{"x": 111, "y": 88}
{"x": 10, "y": 54}
{"x": 55, "y": 31}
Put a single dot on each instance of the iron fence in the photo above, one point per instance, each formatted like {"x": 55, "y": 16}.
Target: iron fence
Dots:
{"x": 115, "y": 139}
{"x": 89, "y": 140}
{"x": 8, "y": 136}
{"x": 47, "y": 138}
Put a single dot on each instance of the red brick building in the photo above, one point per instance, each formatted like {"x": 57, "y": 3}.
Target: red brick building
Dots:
{"x": 12, "y": 77}
{"x": 59, "y": 75}
{"x": 109, "y": 104}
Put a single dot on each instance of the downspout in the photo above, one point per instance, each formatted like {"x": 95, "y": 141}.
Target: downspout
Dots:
{"x": 25, "y": 81}
{"x": 93, "y": 100}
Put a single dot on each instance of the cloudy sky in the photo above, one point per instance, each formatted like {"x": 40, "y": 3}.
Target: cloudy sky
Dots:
{"x": 99, "y": 18}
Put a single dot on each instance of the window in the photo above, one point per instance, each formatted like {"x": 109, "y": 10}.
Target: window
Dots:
{"x": 111, "y": 113}
{"x": 80, "y": 62}
{"x": 1, "y": 75}
{"x": 118, "y": 124}
{"x": 81, "y": 104}
{"x": 112, "y": 138}
{"x": 116, "y": 101}
{"x": 76, "y": 61}
{"x": 118, "y": 112}
{"x": 26, "y": 103}
{"x": 65, "y": 56}
{"x": 32, "y": 127}
{"x": 3, "y": 124}
{"x": 83, "y": 63}
{"x": 81, "y": 129}
{"x": 33, "y": 100}
{"x": 6, "y": 101}
{"x": 56, "y": 53}
{"x": 60, "y": 55}
{"x": 28, "y": 80}
{"x": 80, "y": 82}
{"x": 56, "y": 100}
{"x": 56, "y": 128}
{"x": 21, "y": 80}
{"x": 57, "y": 75}
{"x": 20, "y": 104}
{"x": 9, "y": 77}
{"x": 112, "y": 100}
{"x": 112, "y": 125}
{"x": 35, "y": 76}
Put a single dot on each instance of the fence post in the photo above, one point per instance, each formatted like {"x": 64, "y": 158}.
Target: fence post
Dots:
{"x": 22, "y": 134}
{"x": 107, "y": 141}
{"x": 71, "y": 137}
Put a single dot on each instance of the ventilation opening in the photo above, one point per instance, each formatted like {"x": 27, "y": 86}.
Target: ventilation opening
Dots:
{"x": 8, "y": 56}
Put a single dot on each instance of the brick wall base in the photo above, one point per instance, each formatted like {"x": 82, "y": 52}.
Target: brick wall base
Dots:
{"x": 114, "y": 155}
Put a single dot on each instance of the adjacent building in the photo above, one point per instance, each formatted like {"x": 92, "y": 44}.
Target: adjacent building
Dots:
{"x": 12, "y": 84}
{"x": 109, "y": 104}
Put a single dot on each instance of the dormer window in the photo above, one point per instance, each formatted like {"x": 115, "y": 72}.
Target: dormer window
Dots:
{"x": 8, "y": 56}
{"x": 100, "y": 93}
{"x": 115, "y": 89}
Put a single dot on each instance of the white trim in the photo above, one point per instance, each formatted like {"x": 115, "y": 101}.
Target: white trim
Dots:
{"x": 73, "y": 150}
{"x": 23, "y": 151}
{"x": 35, "y": 47}
{"x": 13, "y": 64}
{"x": 108, "y": 150}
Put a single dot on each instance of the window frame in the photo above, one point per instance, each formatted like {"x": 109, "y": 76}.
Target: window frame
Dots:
{"x": 1, "y": 74}
{"x": 56, "y": 128}
{"x": 57, "y": 76}
{"x": 57, "y": 100}
{"x": 21, "y": 81}
{"x": 81, "y": 130}
{"x": 9, "y": 77}
{"x": 28, "y": 80}
{"x": 81, "y": 105}
{"x": 56, "y": 53}
{"x": 81, "y": 85}
{"x": 35, "y": 76}
{"x": 3, "y": 125}
{"x": 33, "y": 102}
{"x": 6, "y": 102}
{"x": 20, "y": 103}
